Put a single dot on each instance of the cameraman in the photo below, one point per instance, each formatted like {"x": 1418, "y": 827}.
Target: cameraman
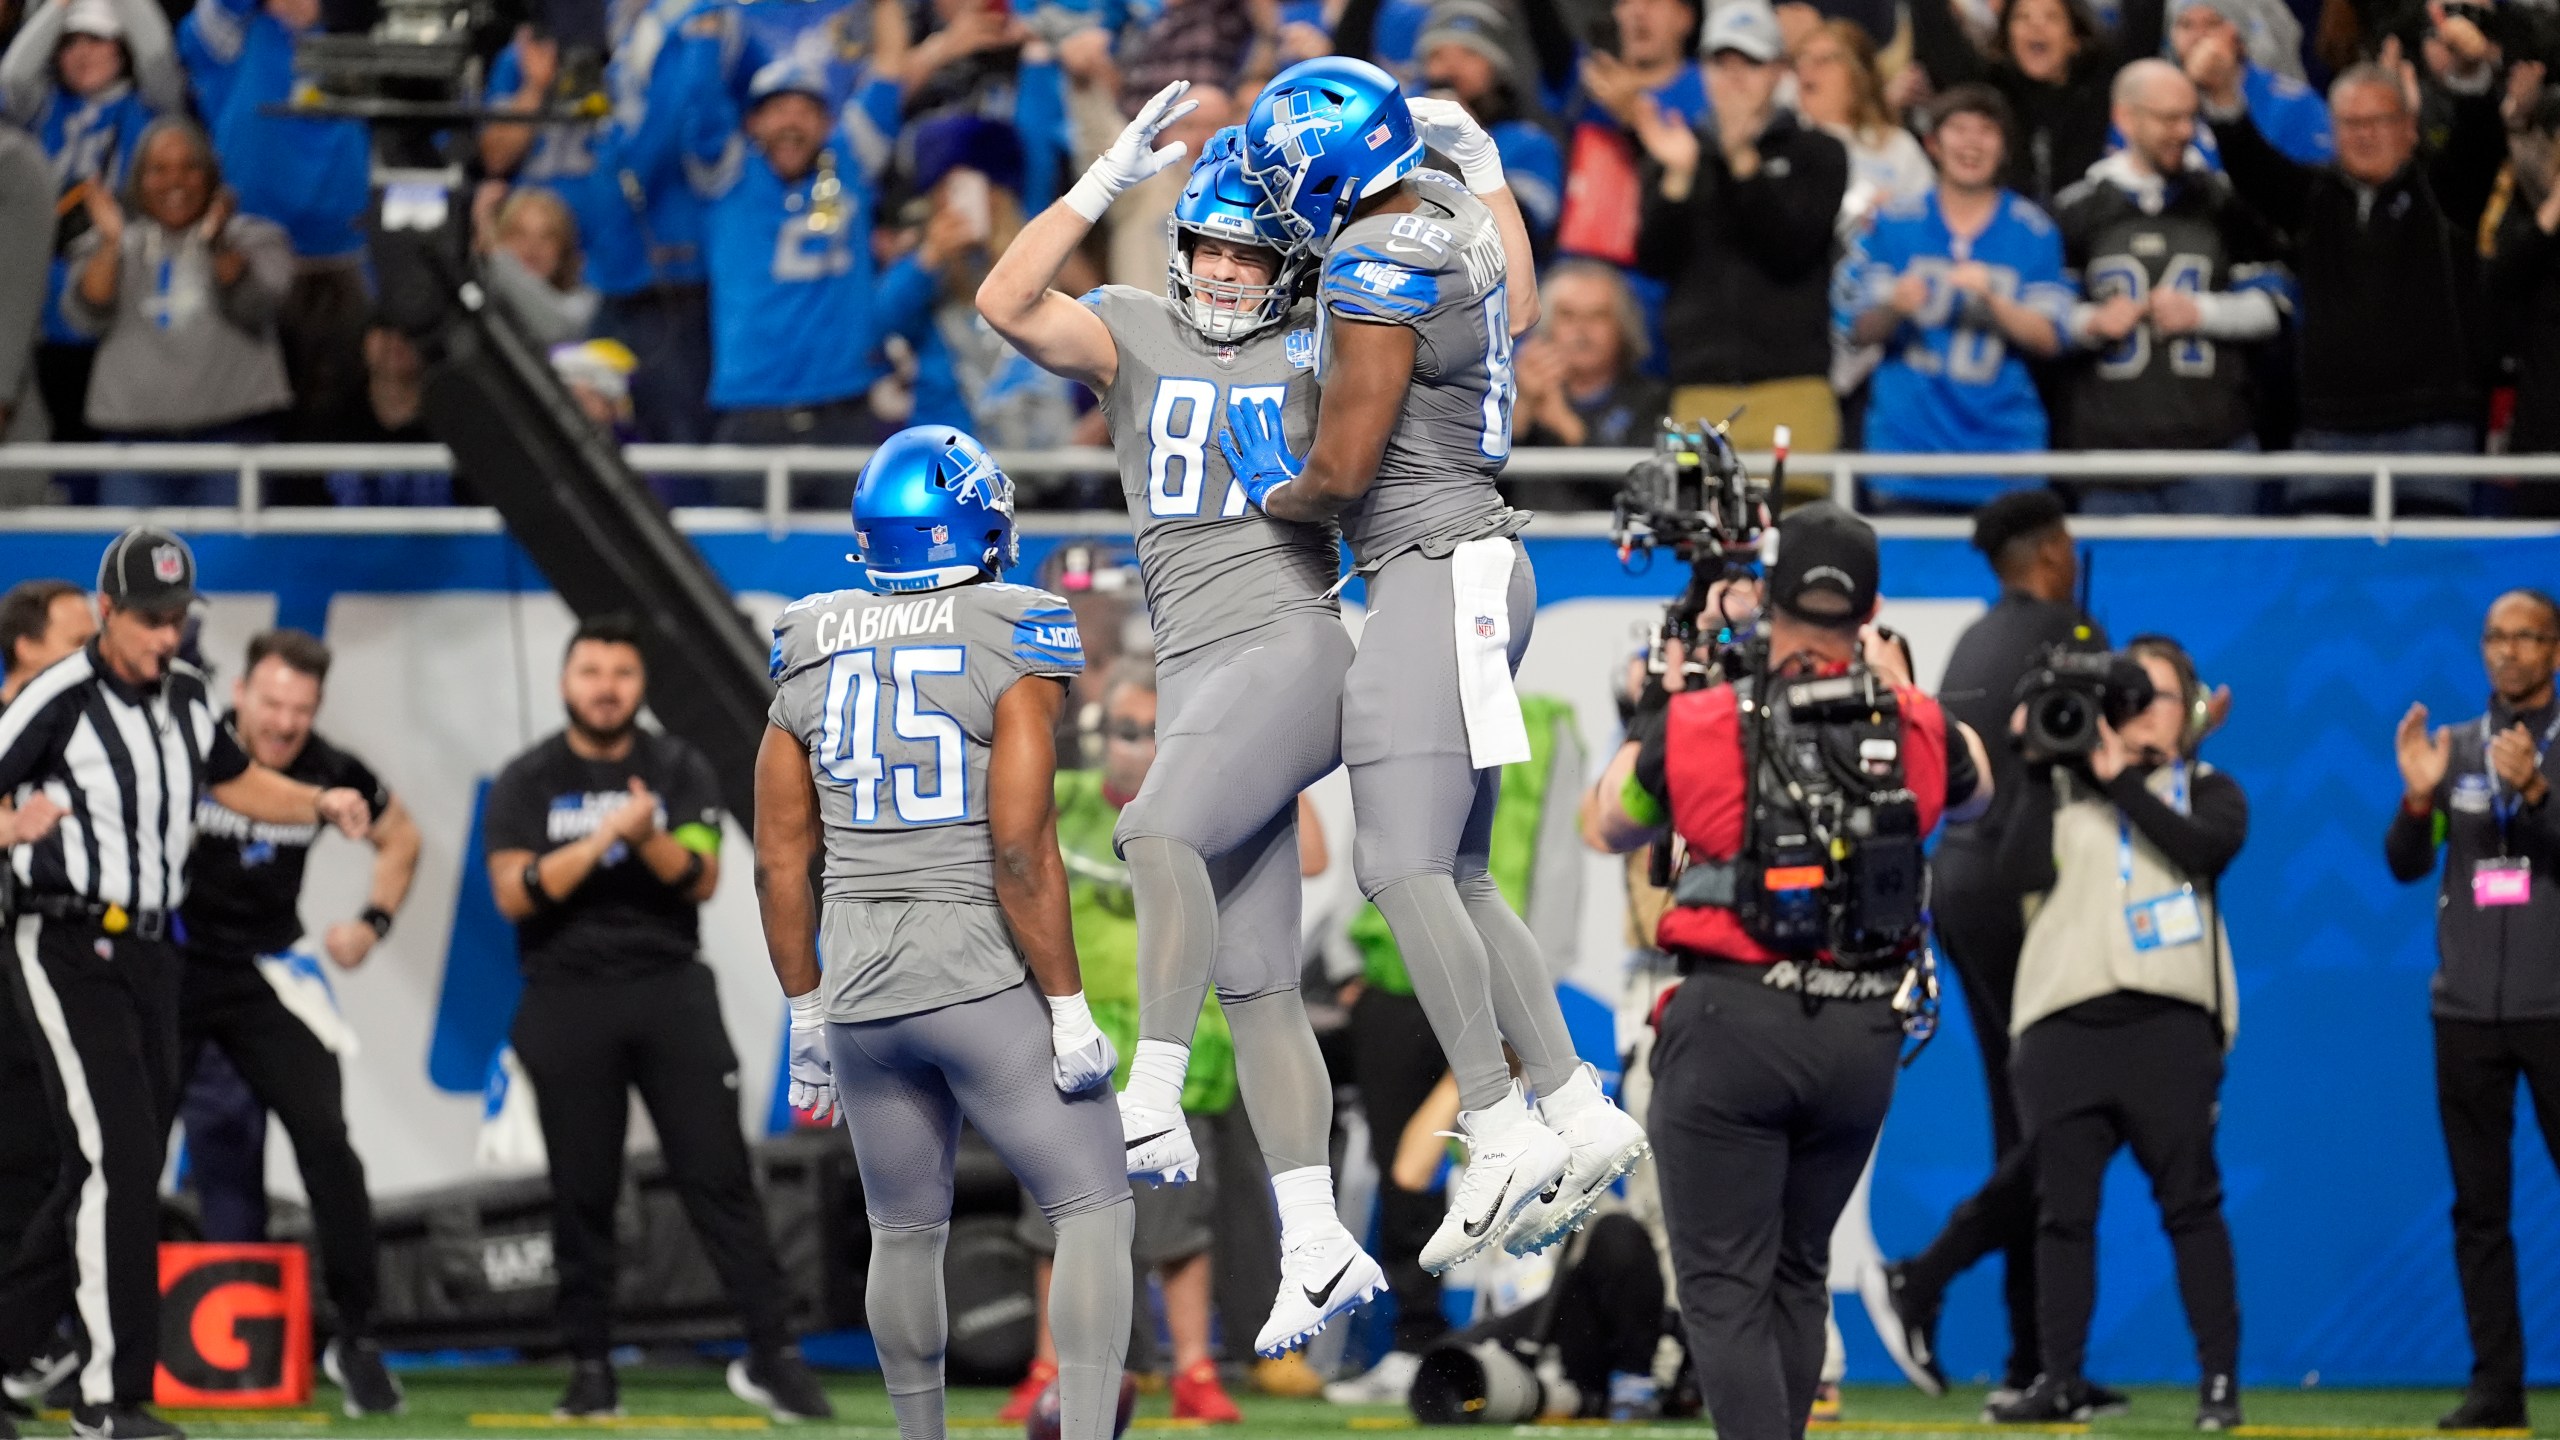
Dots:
{"x": 2124, "y": 1006}
{"x": 1772, "y": 1072}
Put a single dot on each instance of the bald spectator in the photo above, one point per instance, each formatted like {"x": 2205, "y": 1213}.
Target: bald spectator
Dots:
{"x": 2392, "y": 336}
{"x": 2178, "y": 280}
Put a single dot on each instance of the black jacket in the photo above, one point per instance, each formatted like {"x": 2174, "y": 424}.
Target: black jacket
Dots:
{"x": 2524, "y": 299}
{"x": 2391, "y": 328}
{"x": 1748, "y": 261}
{"x": 2059, "y": 130}
{"x": 2501, "y": 963}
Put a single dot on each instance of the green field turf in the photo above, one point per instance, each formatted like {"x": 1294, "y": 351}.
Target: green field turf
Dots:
{"x": 691, "y": 1401}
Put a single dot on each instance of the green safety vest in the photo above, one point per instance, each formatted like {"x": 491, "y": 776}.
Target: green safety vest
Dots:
{"x": 1105, "y": 917}
{"x": 1518, "y": 818}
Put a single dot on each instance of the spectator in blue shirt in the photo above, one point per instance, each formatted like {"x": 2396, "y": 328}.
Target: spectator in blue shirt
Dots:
{"x": 2262, "y": 41}
{"x": 1472, "y": 53}
{"x": 639, "y": 223}
{"x": 84, "y": 77}
{"x": 313, "y": 177}
{"x": 1954, "y": 285}
{"x": 797, "y": 310}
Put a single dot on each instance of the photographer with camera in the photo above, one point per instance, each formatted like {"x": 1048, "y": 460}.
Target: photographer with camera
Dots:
{"x": 2125, "y": 1002}
{"x": 1796, "y": 799}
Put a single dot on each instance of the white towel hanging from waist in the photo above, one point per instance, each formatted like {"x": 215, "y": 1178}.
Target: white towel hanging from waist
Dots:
{"x": 1480, "y": 583}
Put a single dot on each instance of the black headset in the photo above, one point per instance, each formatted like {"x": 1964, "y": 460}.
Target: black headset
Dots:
{"x": 2195, "y": 703}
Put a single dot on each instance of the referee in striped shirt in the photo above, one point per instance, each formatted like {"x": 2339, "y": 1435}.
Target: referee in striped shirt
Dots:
{"x": 107, "y": 753}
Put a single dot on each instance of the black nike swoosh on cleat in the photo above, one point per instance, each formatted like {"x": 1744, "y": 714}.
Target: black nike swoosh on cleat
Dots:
{"x": 1475, "y": 1228}
{"x": 1145, "y": 1140}
{"x": 1317, "y": 1298}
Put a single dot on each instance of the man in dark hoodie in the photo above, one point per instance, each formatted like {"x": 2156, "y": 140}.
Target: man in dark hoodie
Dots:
{"x": 1738, "y": 220}
{"x": 2384, "y": 246}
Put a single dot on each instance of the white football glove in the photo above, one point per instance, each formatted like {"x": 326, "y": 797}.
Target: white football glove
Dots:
{"x": 1132, "y": 157}
{"x": 813, "y": 1084}
{"x": 1445, "y": 126}
{"x": 1085, "y": 1057}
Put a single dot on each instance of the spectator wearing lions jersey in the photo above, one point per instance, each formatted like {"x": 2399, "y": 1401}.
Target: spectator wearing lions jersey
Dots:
{"x": 250, "y": 987}
{"x": 2180, "y": 281}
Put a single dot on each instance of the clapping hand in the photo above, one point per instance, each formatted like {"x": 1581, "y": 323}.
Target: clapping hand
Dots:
{"x": 2519, "y": 766}
{"x": 2424, "y": 756}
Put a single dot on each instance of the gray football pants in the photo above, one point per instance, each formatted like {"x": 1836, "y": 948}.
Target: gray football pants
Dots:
{"x": 1425, "y": 832}
{"x": 1242, "y": 726}
{"x": 905, "y": 1084}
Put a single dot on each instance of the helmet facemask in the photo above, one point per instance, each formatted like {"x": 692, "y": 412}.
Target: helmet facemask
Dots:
{"x": 1226, "y": 311}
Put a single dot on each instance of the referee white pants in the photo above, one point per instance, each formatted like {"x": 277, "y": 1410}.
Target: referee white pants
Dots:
{"x": 103, "y": 1012}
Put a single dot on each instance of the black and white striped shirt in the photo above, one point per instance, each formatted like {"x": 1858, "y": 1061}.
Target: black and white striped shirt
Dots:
{"x": 129, "y": 764}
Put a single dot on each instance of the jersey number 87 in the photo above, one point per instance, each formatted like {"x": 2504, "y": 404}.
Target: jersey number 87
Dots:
{"x": 1180, "y": 426}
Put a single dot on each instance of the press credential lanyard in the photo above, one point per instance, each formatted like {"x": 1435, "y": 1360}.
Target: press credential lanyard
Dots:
{"x": 2124, "y": 825}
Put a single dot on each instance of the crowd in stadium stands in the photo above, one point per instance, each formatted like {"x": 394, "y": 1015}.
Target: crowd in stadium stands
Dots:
{"x": 1956, "y": 226}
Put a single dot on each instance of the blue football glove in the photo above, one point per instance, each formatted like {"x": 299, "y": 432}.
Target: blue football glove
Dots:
{"x": 813, "y": 1084}
{"x": 1084, "y": 1054}
{"x": 1258, "y": 449}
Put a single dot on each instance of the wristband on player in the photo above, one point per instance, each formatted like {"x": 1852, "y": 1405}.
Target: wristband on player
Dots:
{"x": 379, "y": 919}
{"x": 693, "y": 868}
{"x": 808, "y": 1012}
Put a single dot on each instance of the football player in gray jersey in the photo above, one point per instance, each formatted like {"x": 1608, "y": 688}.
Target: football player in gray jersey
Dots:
{"x": 909, "y": 742}
{"x": 1423, "y": 284}
{"x": 1251, "y": 656}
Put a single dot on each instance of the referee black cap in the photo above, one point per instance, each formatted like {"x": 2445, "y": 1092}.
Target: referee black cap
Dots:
{"x": 1827, "y": 568}
{"x": 149, "y": 570}
{"x": 2018, "y": 513}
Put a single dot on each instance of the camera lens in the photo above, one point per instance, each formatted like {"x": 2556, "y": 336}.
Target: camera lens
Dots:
{"x": 2064, "y": 722}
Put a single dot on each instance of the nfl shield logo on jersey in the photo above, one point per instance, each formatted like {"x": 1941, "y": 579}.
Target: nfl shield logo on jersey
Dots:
{"x": 1300, "y": 347}
{"x": 168, "y": 566}
{"x": 1484, "y": 627}
{"x": 1226, "y": 354}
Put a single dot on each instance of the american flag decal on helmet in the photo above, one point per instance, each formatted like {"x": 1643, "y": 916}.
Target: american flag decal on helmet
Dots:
{"x": 1378, "y": 137}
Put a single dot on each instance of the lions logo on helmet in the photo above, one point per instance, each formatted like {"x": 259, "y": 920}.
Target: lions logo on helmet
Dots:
{"x": 933, "y": 509}
{"x": 1309, "y": 186}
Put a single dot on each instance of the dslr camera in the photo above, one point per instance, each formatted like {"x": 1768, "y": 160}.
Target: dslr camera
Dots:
{"x": 2069, "y": 691}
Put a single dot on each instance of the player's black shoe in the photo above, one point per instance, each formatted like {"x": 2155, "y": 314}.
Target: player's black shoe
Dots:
{"x": 593, "y": 1393}
{"x": 782, "y": 1384}
{"x": 2104, "y": 1401}
{"x": 121, "y": 1422}
{"x": 2218, "y": 1403}
{"x": 356, "y": 1368}
{"x": 2046, "y": 1402}
{"x": 2485, "y": 1412}
{"x": 1912, "y": 1336}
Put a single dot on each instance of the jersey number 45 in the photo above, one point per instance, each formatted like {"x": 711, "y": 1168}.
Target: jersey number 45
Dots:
{"x": 849, "y": 750}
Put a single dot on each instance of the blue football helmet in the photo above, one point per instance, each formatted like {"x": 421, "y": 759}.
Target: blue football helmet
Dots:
{"x": 1323, "y": 136}
{"x": 932, "y": 509}
{"x": 1218, "y": 202}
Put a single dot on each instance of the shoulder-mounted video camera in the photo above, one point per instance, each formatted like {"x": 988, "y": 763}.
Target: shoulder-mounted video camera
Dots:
{"x": 1693, "y": 497}
{"x": 2068, "y": 691}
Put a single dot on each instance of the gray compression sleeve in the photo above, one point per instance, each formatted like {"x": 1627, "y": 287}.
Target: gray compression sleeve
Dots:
{"x": 1288, "y": 1094}
{"x": 1089, "y": 1305}
{"x": 1524, "y": 999}
{"x": 909, "y": 1325}
{"x": 1452, "y": 977}
{"x": 1177, "y": 936}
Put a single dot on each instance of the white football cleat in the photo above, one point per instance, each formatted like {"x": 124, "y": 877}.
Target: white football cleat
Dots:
{"x": 1159, "y": 1144}
{"x": 1322, "y": 1278}
{"x": 1511, "y": 1161}
{"x": 1605, "y": 1142}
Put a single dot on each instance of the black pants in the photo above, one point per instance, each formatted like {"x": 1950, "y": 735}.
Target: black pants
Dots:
{"x": 225, "y": 1124}
{"x": 29, "y": 1156}
{"x": 224, "y": 1002}
{"x": 1397, "y": 1063}
{"x": 1980, "y": 930}
{"x": 104, "y": 1014}
{"x": 585, "y": 1044}
{"x": 2477, "y": 1066}
{"x": 2086, "y": 1090}
{"x": 1764, "y": 1113}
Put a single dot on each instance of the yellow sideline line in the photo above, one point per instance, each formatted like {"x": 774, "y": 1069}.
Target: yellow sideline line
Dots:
{"x": 2359, "y": 1432}
{"x": 621, "y": 1422}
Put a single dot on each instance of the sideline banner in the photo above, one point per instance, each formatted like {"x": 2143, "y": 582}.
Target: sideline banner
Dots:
{"x": 448, "y": 647}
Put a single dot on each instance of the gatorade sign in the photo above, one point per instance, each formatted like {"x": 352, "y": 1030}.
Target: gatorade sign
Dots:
{"x": 235, "y": 1326}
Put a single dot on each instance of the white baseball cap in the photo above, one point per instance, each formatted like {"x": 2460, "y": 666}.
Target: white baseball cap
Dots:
{"x": 1747, "y": 26}
{"x": 92, "y": 17}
